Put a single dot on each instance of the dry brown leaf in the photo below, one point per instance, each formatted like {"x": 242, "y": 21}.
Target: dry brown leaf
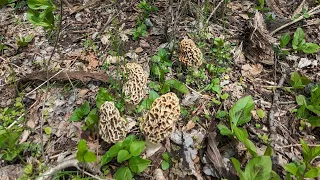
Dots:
{"x": 251, "y": 70}
{"x": 189, "y": 126}
{"x": 82, "y": 92}
{"x": 93, "y": 61}
{"x": 138, "y": 50}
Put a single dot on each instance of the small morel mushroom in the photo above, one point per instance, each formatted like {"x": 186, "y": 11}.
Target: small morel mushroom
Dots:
{"x": 160, "y": 121}
{"x": 112, "y": 127}
{"x": 190, "y": 54}
{"x": 135, "y": 88}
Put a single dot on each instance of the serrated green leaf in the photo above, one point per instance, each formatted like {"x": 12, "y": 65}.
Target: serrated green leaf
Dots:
{"x": 137, "y": 147}
{"x": 123, "y": 155}
{"x": 138, "y": 165}
{"x": 178, "y": 85}
{"x": 123, "y": 173}
{"x": 224, "y": 130}
{"x": 240, "y": 112}
{"x": 284, "y": 40}
{"x": 103, "y": 96}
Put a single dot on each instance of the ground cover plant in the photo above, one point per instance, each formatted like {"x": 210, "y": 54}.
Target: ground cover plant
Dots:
{"x": 159, "y": 89}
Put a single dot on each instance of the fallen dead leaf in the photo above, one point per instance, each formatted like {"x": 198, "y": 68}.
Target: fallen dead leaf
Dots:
{"x": 251, "y": 70}
{"x": 189, "y": 126}
{"x": 138, "y": 50}
{"x": 93, "y": 62}
{"x": 82, "y": 92}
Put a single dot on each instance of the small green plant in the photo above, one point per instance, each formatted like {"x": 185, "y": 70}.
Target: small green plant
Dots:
{"x": 309, "y": 108}
{"x": 40, "y": 13}
{"x": 261, "y": 6}
{"x": 80, "y": 112}
{"x": 141, "y": 29}
{"x": 146, "y": 103}
{"x": 299, "y": 82}
{"x": 214, "y": 87}
{"x": 165, "y": 164}
{"x": 303, "y": 13}
{"x": 239, "y": 114}
{"x": 300, "y": 44}
{"x": 23, "y": 41}
{"x": 9, "y": 145}
{"x": 83, "y": 154}
{"x": 9, "y": 114}
{"x": 127, "y": 153}
{"x": 304, "y": 169}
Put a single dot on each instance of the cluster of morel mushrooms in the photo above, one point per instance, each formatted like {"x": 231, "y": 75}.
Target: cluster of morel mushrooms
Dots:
{"x": 159, "y": 122}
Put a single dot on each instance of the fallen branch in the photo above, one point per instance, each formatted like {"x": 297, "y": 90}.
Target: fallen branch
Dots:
{"x": 66, "y": 164}
{"x": 82, "y": 76}
{"x": 311, "y": 12}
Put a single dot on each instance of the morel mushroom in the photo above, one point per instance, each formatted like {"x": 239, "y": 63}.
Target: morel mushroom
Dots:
{"x": 190, "y": 54}
{"x": 135, "y": 88}
{"x": 160, "y": 121}
{"x": 112, "y": 127}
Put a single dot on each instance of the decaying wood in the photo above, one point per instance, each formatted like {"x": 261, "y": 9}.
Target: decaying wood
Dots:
{"x": 66, "y": 76}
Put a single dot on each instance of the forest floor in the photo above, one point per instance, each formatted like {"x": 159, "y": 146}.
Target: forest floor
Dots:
{"x": 251, "y": 110}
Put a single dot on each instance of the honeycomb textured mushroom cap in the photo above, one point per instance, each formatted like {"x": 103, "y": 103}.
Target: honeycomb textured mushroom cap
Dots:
{"x": 112, "y": 127}
{"x": 135, "y": 88}
{"x": 160, "y": 121}
{"x": 190, "y": 54}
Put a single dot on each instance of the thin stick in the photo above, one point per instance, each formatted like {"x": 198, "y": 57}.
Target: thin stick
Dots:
{"x": 311, "y": 12}
{"x": 293, "y": 145}
{"x": 214, "y": 10}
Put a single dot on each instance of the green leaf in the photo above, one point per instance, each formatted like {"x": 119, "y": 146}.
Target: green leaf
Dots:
{"x": 260, "y": 113}
{"x": 314, "y": 121}
{"x": 240, "y": 112}
{"x": 82, "y": 149}
{"x": 284, "y": 40}
{"x": 315, "y": 96}
{"x": 153, "y": 96}
{"x": 123, "y": 155}
{"x": 103, "y": 96}
{"x": 298, "y": 39}
{"x": 242, "y": 135}
{"x": 79, "y": 113}
{"x": 298, "y": 82}
{"x": 137, "y": 147}
{"x": 302, "y": 112}
{"x": 224, "y": 96}
{"x": 310, "y": 48}
{"x": 301, "y": 100}
{"x": 47, "y": 130}
{"x": 162, "y": 53}
{"x": 237, "y": 165}
{"x": 138, "y": 165}
{"x": 305, "y": 150}
{"x": 165, "y": 88}
{"x": 258, "y": 168}
{"x": 291, "y": 168}
{"x": 92, "y": 118}
{"x": 221, "y": 114}
{"x": 44, "y": 19}
{"x": 166, "y": 156}
{"x": 178, "y": 85}
{"x": 224, "y": 130}
{"x": 39, "y": 4}
{"x": 313, "y": 173}
{"x": 314, "y": 109}
{"x": 89, "y": 156}
{"x": 123, "y": 173}
{"x": 314, "y": 152}
{"x": 110, "y": 154}
{"x": 268, "y": 151}
{"x": 127, "y": 141}
{"x": 165, "y": 165}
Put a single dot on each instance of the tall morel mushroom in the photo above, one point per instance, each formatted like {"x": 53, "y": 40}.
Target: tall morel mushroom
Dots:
{"x": 190, "y": 54}
{"x": 135, "y": 88}
{"x": 112, "y": 127}
{"x": 160, "y": 121}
